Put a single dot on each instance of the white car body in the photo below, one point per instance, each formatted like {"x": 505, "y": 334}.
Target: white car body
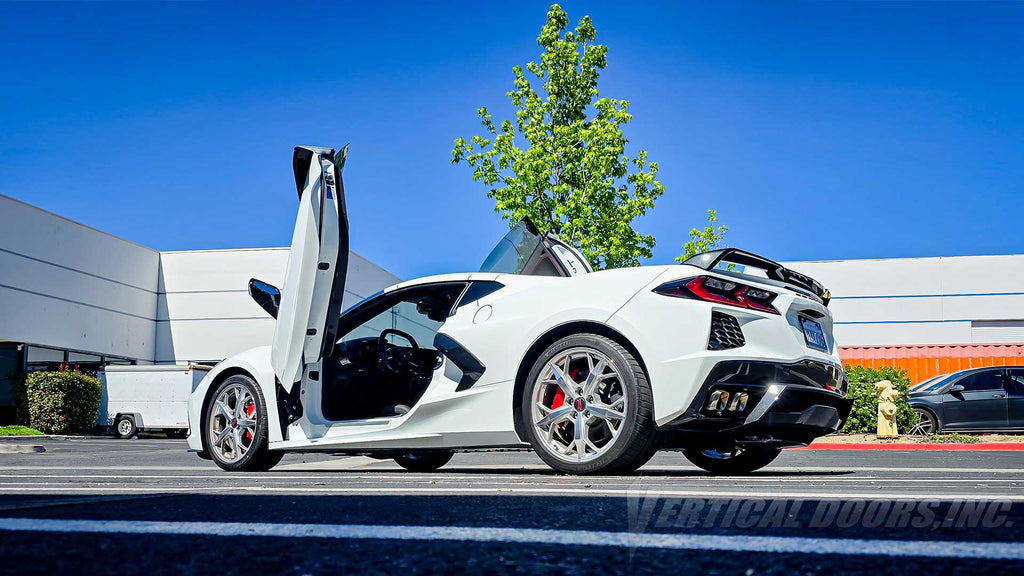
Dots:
{"x": 501, "y": 331}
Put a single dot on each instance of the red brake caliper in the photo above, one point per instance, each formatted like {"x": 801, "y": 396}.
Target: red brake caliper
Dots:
{"x": 559, "y": 397}
{"x": 250, "y": 411}
{"x": 558, "y": 400}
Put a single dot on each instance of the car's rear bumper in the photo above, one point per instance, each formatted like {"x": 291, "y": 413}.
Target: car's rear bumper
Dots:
{"x": 784, "y": 404}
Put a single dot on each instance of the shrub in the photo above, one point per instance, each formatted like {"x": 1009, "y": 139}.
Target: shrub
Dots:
{"x": 60, "y": 402}
{"x": 864, "y": 414}
{"x": 954, "y": 438}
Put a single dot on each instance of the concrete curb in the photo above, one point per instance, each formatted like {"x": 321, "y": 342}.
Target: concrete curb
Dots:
{"x": 991, "y": 446}
{"x": 20, "y": 449}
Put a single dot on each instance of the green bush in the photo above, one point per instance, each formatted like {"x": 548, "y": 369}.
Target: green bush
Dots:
{"x": 60, "y": 402}
{"x": 954, "y": 438}
{"x": 864, "y": 414}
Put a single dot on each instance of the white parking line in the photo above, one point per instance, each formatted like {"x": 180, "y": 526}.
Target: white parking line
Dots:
{"x": 209, "y": 468}
{"x": 456, "y": 469}
{"x": 405, "y": 478}
{"x": 649, "y": 491}
{"x": 635, "y": 540}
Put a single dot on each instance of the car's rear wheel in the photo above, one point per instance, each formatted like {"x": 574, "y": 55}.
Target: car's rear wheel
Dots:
{"x": 423, "y": 461}
{"x": 235, "y": 427}
{"x": 734, "y": 461}
{"x": 588, "y": 407}
{"x": 926, "y": 423}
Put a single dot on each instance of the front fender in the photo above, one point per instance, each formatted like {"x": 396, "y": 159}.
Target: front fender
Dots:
{"x": 255, "y": 363}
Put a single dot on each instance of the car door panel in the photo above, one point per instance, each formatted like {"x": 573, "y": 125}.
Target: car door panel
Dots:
{"x": 317, "y": 261}
{"x": 982, "y": 405}
{"x": 331, "y": 265}
{"x": 1015, "y": 397}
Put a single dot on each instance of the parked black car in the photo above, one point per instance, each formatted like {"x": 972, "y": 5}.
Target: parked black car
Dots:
{"x": 976, "y": 400}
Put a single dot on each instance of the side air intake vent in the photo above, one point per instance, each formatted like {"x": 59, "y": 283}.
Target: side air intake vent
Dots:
{"x": 725, "y": 332}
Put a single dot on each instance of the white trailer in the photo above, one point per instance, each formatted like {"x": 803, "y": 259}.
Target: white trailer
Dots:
{"x": 148, "y": 397}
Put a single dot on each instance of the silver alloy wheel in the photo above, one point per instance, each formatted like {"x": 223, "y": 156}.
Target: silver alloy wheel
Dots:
{"x": 925, "y": 423}
{"x": 579, "y": 405}
{"x": 124, "y": 427}
{"x": 232, "y": 423}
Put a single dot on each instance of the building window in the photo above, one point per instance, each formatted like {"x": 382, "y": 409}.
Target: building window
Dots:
{"x": 39, "y": 358}
{"x": 88, "y": 363}
{"x": 78, "y": 357}
{"x": 40, "y": 354}
{"x": 43, "y": 358}
{"x": 997, "y": 331}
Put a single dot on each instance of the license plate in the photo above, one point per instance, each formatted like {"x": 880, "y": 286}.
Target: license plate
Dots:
{"x": 814, "y": 335}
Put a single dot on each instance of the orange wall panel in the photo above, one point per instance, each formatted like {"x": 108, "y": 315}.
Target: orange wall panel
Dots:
{"x": 923, "y": 362}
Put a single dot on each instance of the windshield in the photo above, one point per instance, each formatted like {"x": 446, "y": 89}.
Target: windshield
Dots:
{"x": 513, "y": 251}
{"x": 926, "y": 383}
{"x": 940, "y": 381}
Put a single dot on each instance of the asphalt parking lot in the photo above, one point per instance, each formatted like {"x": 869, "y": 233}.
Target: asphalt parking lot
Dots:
{"x": 146, "y": 505}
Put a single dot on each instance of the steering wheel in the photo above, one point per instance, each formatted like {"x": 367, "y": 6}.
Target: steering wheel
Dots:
{"x": 391, "y": 358}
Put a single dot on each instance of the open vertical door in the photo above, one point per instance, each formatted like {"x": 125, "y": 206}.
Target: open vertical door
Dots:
{"x": 314, "y": 282}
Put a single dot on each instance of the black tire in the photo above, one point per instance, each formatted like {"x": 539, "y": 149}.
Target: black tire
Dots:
{"x": 742, "y": 461}
{"x": 927, "y": 423}
{"x": 423, "y": 461}
{"x": 125, "y": 427}
{"x": 258, "y": 458}
{"x": 637, "y": 439}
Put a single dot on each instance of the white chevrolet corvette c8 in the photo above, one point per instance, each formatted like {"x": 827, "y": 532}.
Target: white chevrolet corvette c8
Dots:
{"x": 595, "y": 371}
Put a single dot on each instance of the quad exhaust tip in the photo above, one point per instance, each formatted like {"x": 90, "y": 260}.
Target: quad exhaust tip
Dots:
{"x": 723, "y": 401}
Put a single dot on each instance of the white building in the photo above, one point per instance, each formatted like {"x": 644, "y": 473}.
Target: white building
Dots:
{"x": 920, "y": 301}
{"x": 71, "y": 293}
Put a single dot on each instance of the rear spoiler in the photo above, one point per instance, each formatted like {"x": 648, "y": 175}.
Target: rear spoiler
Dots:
{"x": 709, "y": 260}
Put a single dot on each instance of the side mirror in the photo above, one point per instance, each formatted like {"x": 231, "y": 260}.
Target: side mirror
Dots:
{"x": 266, "y": 295}
{"x": 956, "y": 388}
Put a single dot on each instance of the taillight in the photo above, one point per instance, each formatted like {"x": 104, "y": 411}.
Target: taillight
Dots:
{"x": 720, "y": 291}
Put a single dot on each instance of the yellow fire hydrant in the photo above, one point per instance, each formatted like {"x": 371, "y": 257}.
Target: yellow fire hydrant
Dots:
{"x": 886, "y": 410}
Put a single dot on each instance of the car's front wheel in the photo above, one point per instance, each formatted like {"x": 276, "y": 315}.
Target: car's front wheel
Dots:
{"x": 235, "y": 427}
{"x": 926, "y": 423}
{"x": 734, "y": 461}
{"x": 588, "y": 408}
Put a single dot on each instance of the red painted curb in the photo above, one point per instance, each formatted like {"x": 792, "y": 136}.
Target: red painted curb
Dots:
{"x": 906, "y": 446}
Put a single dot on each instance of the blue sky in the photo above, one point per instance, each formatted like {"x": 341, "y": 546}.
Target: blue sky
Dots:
{"x": 818, "y": 131}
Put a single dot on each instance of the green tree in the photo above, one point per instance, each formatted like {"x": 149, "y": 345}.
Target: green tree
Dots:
{"x": 562, "y": 160}
{"x": 710, "y": 238}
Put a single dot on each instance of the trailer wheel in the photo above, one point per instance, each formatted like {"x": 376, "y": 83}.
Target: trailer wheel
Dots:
{"x": 125, "y": 427}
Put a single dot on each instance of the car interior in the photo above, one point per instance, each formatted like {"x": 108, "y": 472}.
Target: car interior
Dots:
{"x": 384, "y": 361}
